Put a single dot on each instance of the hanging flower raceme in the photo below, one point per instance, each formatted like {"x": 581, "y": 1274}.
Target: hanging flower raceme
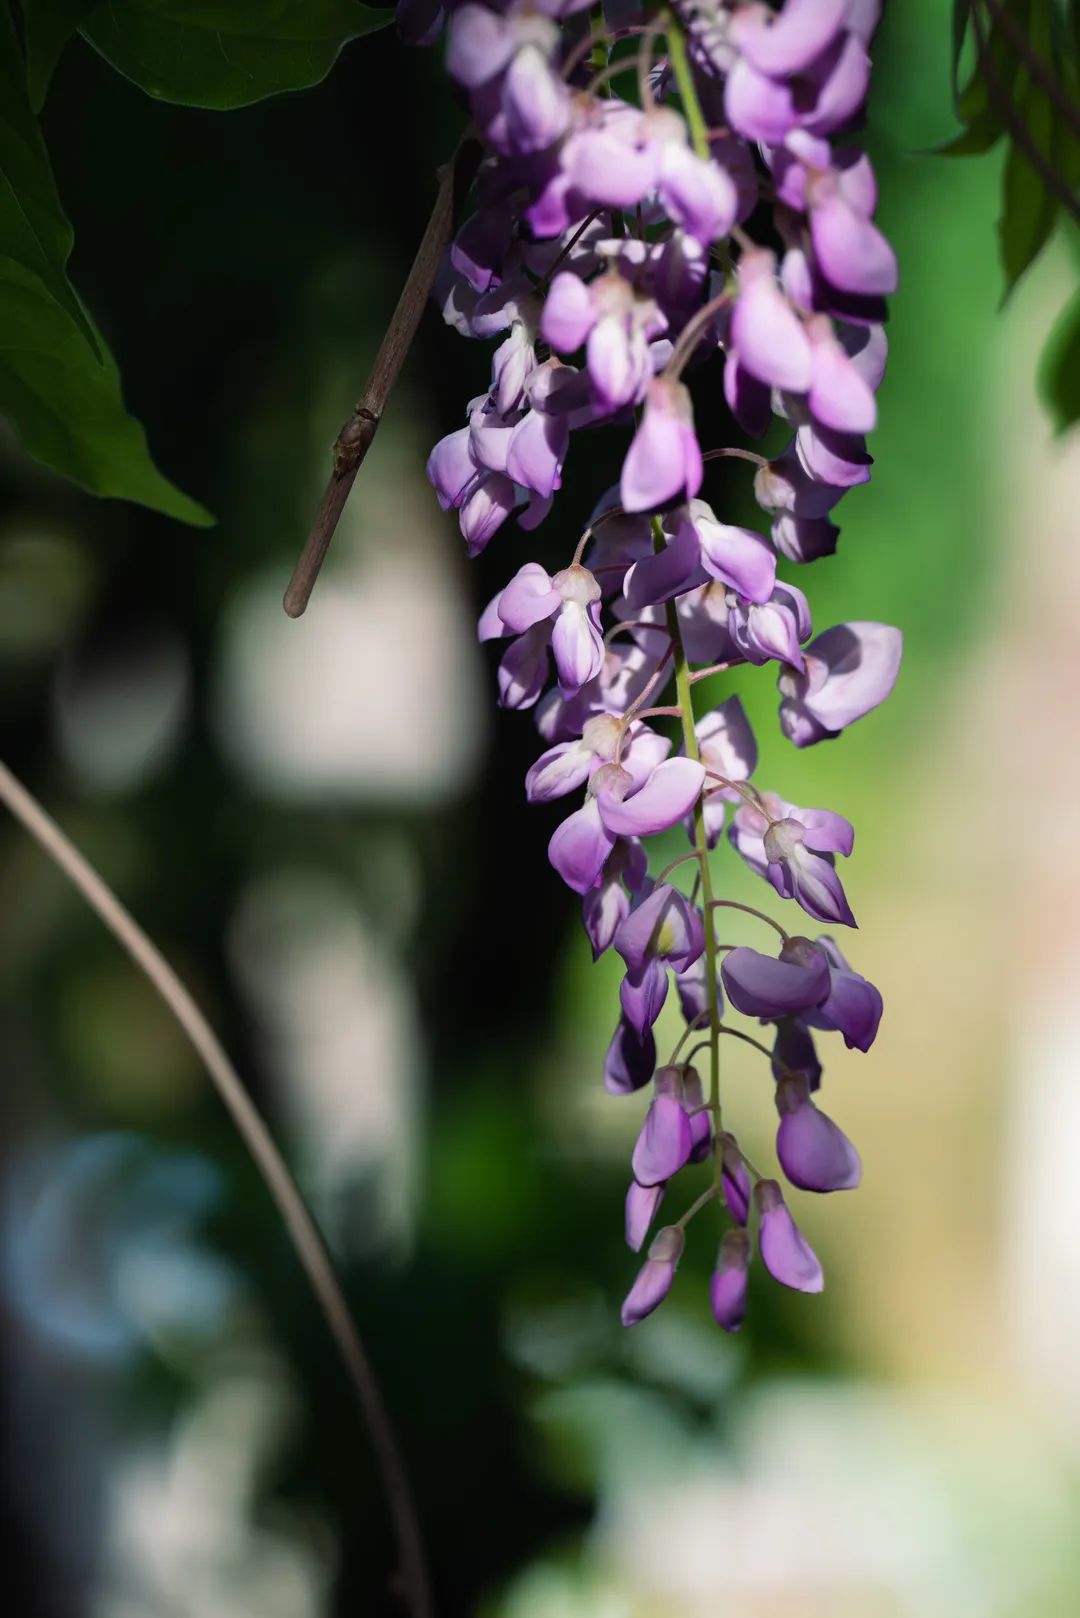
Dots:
{"x": 711, "y": 229}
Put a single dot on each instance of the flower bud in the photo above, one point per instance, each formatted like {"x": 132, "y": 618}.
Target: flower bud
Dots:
{"x": 727, "y": 1290}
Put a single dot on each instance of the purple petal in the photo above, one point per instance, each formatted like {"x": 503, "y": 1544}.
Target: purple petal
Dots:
{"x": 535, "y": 101}
{"x": 630, "y": 1062}
{"x": 850, "y": 669}
{"x": 479, "y": 45}
{"x": 839, "y": 459}
{"x": 579, "y": 847}
{"x": 568, "y": 315}
{"x": 758, "y": 107}
{"x": 642, "y": 1202}
{"x": 668, "y": 795}
{"x": 655, "y": 1277}
{"x": 794, "y": 1052}
{"x": 767, "y": 334}
{"x": 749, "y": 400}
{"x": 523, "y": 671}
{"x": 664, "y": 459}
{"x": 785, "y": 1252}
{"x": 814, "y": 1153}
{"x": 578, "y": 646}
{"x": 839, "y": 397}
{"x": 735, "y": 1183}
{"x": 451, "y": 469}
{"x": 529, "y": 598}
{"x": 853, "y": 1006}
{"x": 664, "y": 1143}
{"x": 783, "y": 43}
{"x": 728, "y": 1287}
{"x": 726, "y": 741}
{"x": 558, "y": 771}
{"x": 852, "y": 253}
{"x": 762, "y": 986}
{"x": 642, "y": 995}
{"x": 537, "y": 450}
{"x": 655, "y": 579}
{"x": 736, "y": 556}
{"x": 698, "y": 195}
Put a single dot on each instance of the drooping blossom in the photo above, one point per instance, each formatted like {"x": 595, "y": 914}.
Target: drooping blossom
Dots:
{"x": 625, "y": 251}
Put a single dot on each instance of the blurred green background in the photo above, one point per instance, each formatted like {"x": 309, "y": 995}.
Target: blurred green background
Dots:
{"x": 322, "y": 823}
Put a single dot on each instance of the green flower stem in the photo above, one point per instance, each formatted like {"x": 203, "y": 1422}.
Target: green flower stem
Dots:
{"x": 690, "y": 743}
{"x": 684, "y": 78}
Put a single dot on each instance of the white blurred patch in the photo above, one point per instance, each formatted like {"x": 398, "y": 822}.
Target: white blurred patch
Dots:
{"x": 338, "y": 1026}
{"x": 375, "y": 694}
{"x": 186, "y": 1534}
{"x": 828, "y": 1501}
{"x": 119, "y": 717}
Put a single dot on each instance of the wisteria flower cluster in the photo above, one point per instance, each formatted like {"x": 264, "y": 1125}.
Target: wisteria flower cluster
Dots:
{"x": 712, "y": 226}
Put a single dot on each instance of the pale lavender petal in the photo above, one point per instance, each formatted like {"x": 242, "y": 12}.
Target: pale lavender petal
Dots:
{"x": 579, "y": 847}
{"x": 642, "y": 1202}
{"x": 839, "y": 397}
{"x": 523, "y": 671}
{"x": 767, "y": 334}
{"x": 479, "y": 45}
{"x": 664, "y": 1143}
{"x": 850, "y": 669}
{"x": 726, "y": 741}
{"x": 839, "y": 459}
{"x": 698, "y": 195}
{"x": 535, "y": 101}
{"x": 578, "y": 646}
{"x": 783, "y": 43}
{"x": 664, "y": 459}
{"x": 736, "y": 556}
{"x": 851, "y": 251}
{"x": 484, "y": 510}
{"x": 603, "y": 910}
{"x": 655, "y": 1277}
{"x": 529, "y": 598}
{"x": 785, "y": 1252}
{"x": 558, "y": 771}
{"x": 805, "y": 539}
{"x": 568, "y": 315}
{"x": 451, "y": 469}
{"x": 668, "y": 795}
{"x": 759, "y": 107}
{"x": 537, "y": 450}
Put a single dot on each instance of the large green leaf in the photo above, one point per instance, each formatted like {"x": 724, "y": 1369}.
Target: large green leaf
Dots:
{"x": 66, "y": 403}
{"x": 48, "y": 25}
{"x": 33, "y": 227}
{"x": 1041, "y": 161}
{"x": 226, "y": 53}
{"x": 1059, "y": 368}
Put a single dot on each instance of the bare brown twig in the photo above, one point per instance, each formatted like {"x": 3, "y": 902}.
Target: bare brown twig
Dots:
{"x": 304, "y": 1233}
{"x": 357, "y": 435}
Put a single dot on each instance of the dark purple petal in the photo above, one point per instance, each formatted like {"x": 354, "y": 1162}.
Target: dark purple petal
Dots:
{"x": 630, "y": 1062}
{"x": 728, "y": 1287}
{"x": 763, "y": 987}
{"x": 642, "y": 995}
{"x": 814, "y": 1153}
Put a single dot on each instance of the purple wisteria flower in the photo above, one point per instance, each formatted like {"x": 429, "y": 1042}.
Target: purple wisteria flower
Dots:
{"x": 711, "y": 227}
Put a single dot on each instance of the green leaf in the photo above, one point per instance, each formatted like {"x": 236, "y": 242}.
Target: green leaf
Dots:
{"x": 1040, "y": 141}
{"x": 33, "y": 228}
{"x": 981, "y": 135}
{"x": 48, "y": 25}
{"x": 226, "y": 53}
{"x": 66, "y": 404}
{"x": 1059, "y": 368}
